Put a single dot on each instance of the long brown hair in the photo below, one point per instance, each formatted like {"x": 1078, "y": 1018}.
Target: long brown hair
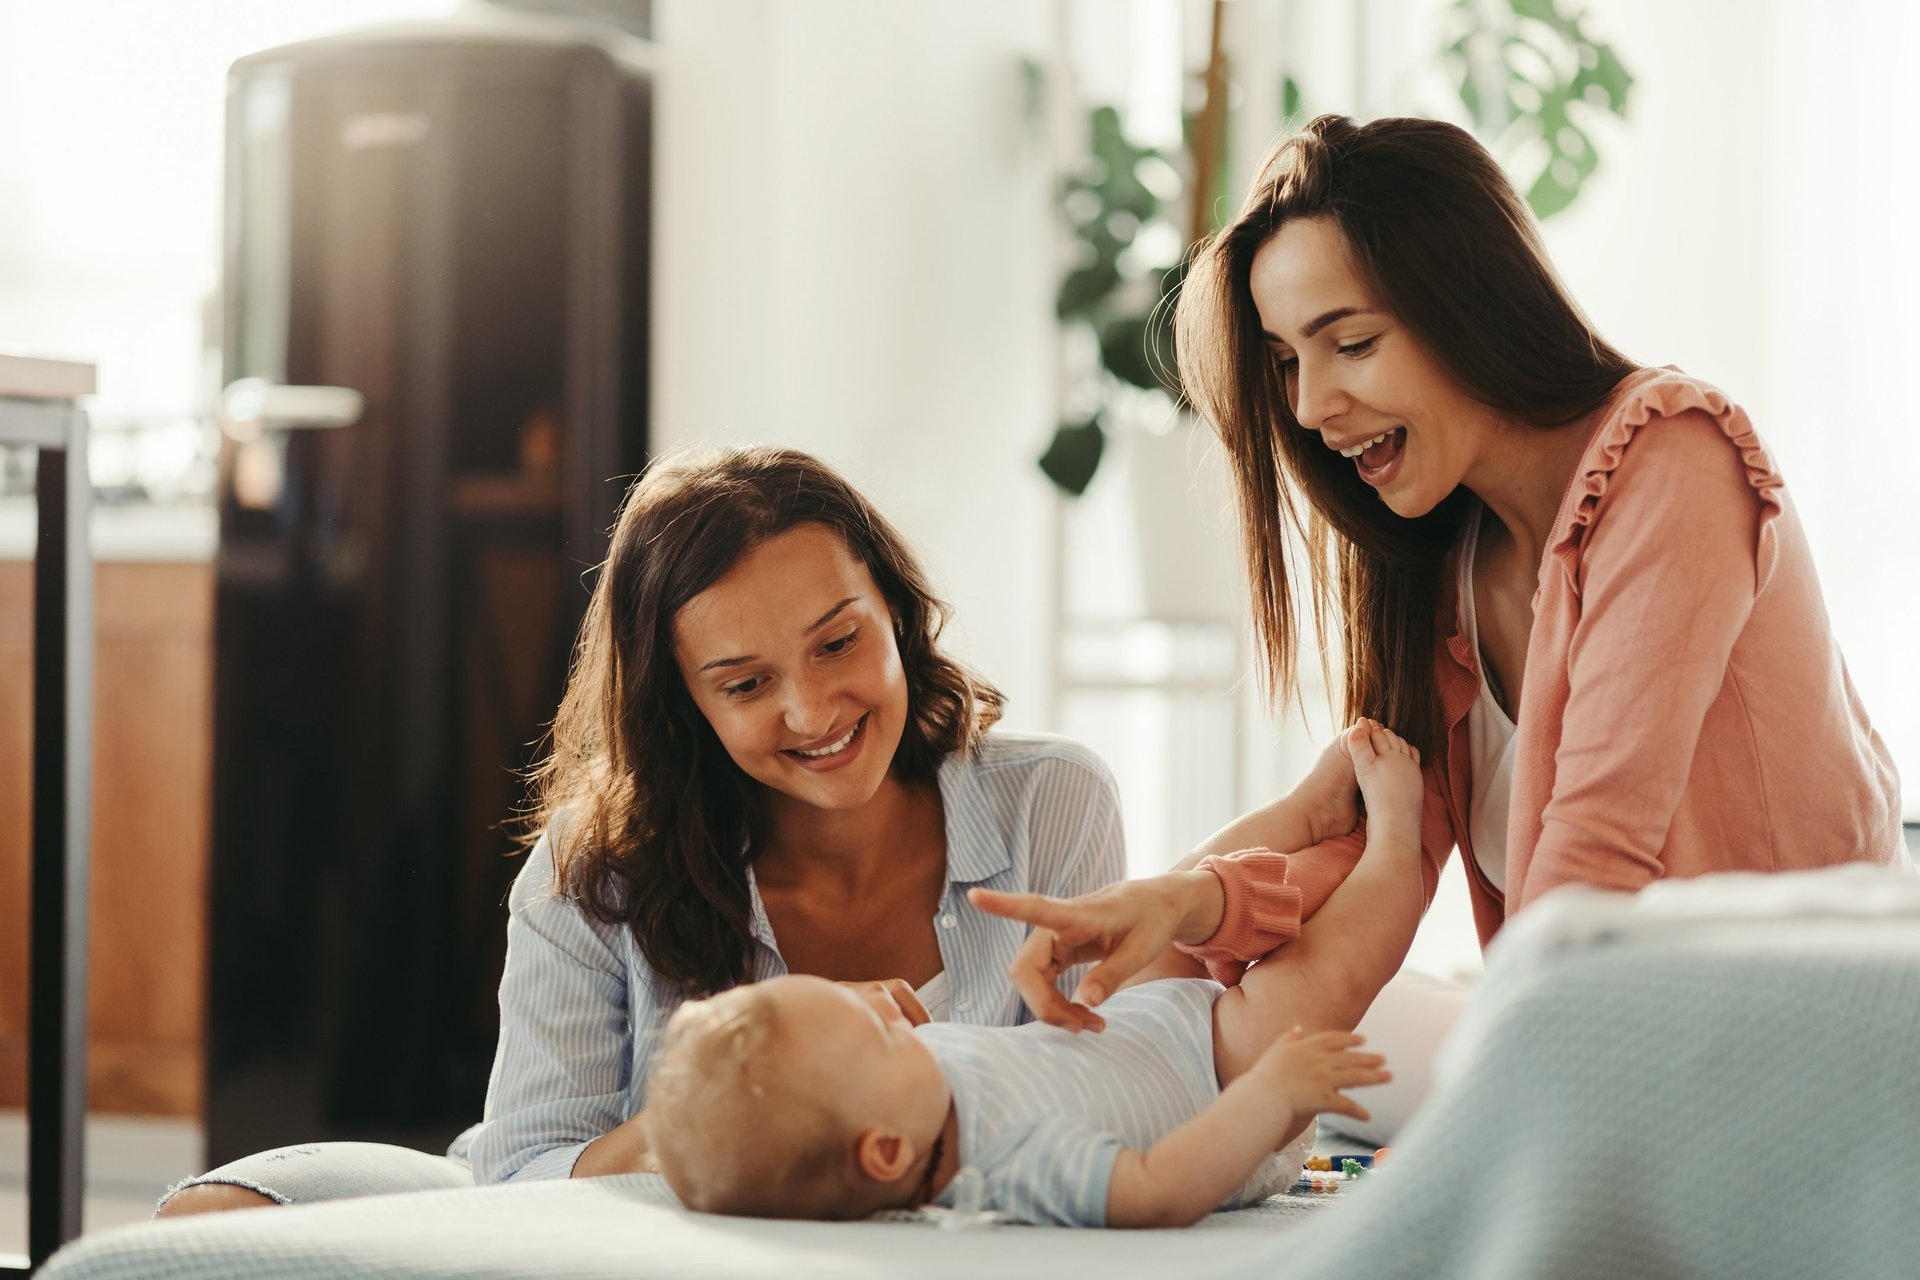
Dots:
{"x": 1450, "y": 249}
{"x": 648, "y": 816}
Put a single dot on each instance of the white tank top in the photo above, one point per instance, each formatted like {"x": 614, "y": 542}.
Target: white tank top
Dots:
{"x": 1490, "y": 739}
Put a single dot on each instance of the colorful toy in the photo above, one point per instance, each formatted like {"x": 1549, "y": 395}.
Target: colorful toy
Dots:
{"x": 1330, "y": 1164}
{"x": 1322, "y": 1175}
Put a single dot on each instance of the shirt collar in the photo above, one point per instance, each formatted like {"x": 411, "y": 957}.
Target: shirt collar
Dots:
{"x": 758, "y": 924}
{"x": 976, "y": 846}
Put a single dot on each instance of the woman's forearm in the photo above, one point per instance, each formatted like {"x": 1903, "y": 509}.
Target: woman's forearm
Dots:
{"x": 1284, "y": 825}
{"x": 621, "y": 1150}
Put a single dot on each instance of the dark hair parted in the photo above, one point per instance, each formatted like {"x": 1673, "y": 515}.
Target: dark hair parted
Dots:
{"x": 1448, "y": 248}
{"x": 654, "y": 818}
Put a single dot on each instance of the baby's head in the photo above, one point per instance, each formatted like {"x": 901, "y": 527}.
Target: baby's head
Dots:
{"x": 794, "y": 1098}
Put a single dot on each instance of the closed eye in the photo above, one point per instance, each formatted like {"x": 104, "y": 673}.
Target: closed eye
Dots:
{"x": 1359, "y": 348}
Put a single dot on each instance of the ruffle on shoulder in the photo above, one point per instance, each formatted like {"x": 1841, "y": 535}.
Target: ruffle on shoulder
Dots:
{"x": 1666, "y": 393}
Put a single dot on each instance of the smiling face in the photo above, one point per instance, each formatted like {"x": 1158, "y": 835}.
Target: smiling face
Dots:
{"x": 1358, "y": 377}
{"x": 791, "y": 658}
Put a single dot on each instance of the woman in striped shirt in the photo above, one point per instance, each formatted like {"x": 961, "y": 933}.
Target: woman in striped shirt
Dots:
{"x": 763, "y": 764}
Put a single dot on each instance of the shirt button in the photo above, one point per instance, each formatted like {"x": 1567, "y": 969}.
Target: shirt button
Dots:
{"x": 950, "y": 920}
{"x": 964, "y": 1005}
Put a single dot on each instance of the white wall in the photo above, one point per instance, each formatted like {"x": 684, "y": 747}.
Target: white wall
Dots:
{"x": 855, "y": 257}
{"x": 1842, "y": 333}
{"x": 1667, "y": 245}
{"x": 1752, "y": 223}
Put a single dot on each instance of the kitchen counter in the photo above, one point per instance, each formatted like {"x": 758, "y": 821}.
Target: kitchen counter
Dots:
{"x": 137, "y": 533}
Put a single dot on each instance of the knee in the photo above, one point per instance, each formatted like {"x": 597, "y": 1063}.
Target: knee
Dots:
{"x": 212, "y": 1197}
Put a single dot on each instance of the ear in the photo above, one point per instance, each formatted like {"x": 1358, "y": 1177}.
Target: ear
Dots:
{"x": 883, "y": 1156}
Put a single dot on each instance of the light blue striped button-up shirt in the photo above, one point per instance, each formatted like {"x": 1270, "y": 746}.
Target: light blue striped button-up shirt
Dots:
{"x": 582, "y": 1013}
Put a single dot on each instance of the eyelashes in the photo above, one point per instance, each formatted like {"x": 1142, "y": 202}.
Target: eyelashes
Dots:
{"x": 1351, "y": 350}
{"x": 838, "y": 647}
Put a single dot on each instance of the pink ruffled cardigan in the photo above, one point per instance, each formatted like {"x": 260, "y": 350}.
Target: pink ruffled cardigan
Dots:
{"x": 1685, "y": 707}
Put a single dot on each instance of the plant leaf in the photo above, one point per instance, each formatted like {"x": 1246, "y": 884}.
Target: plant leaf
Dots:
{"x": 1073, "y": 455}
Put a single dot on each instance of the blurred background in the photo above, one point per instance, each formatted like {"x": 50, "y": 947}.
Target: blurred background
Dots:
{"x": 544, "y": 242}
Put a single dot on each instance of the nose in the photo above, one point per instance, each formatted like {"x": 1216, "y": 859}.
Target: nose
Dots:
{"x": 1317, "y": 397}
{"x": 808, "y": 708}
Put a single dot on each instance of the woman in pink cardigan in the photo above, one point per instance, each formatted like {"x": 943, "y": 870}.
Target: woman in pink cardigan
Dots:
{"x": 1576, "y": 584}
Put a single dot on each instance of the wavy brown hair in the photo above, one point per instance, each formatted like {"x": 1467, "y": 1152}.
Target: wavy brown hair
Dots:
{"x": 1448, "y": 248}
{"x": 653, "y": 817}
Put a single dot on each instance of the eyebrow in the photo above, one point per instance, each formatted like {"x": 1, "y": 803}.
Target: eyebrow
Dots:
{"x": 1321, "y": 321}
{"x": 822, "y": 621}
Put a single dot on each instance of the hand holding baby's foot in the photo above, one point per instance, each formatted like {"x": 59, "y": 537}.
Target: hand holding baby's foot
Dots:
{"x": 1329, "y": 795}
{"x": 1387, "y": 768}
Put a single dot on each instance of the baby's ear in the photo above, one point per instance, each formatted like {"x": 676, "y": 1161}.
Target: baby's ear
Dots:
{"x": 882, "y": 1156}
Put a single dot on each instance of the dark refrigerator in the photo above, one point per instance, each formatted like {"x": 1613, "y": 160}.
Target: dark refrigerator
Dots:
{"x": 435, "y": 352}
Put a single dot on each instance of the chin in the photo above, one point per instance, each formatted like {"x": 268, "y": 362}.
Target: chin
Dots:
{"x": 1410, "y": 504}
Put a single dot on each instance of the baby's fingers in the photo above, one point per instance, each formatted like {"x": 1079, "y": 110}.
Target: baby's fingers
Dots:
{"x": 1341, "y": 1104}
{"x": 1361, "y": 1078}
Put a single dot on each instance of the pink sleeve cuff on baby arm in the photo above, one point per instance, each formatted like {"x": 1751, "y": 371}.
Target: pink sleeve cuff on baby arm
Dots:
{"x": 1262, "y": 911}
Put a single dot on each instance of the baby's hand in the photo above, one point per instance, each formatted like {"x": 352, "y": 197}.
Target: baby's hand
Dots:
{"x": 891, "y": 995}
{"x": 1329, "y": 796}
{"x": 1310, "y": 1071}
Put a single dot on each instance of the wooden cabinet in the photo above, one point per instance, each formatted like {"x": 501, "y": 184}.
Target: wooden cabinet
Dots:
{"x": 151, "y": 804}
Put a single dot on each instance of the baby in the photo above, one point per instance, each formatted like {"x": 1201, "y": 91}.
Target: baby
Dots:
{"x": 800, "y": 1097}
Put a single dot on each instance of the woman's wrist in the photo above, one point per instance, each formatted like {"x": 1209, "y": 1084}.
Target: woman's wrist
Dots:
{"x": 1202, "y": 904}
{"x": 1255, "y": 910}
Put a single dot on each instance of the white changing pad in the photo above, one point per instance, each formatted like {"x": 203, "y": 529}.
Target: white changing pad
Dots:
{"x": 630, "y": 1227}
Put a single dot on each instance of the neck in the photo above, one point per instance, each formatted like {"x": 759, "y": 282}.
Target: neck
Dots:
{"x": 852, "y": 847}
{"x": 1526, "y": 481}
{"x": 932, "y": 1174}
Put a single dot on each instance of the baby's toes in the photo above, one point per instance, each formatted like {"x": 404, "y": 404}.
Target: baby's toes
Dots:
{"x": 1387, "y": 742}
{"x": 1361, "y": 745}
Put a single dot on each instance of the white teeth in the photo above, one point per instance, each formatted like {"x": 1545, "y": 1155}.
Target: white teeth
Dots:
{"x": 832, "y": 749}
{"x": 1365, "y": 445}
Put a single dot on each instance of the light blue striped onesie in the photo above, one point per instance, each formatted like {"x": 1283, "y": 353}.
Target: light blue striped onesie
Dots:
{"x": 1043, "y": 1114}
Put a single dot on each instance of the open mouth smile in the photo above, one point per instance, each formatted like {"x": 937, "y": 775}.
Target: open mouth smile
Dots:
{"x": 1377, "y": 458}
{"x": 835, "y": 752}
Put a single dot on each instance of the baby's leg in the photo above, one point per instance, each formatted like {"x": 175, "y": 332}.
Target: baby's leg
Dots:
{"x": 1325, "y": 978}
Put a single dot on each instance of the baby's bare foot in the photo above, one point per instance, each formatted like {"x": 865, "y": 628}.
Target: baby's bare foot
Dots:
{"x": 1329, "y": 795}
{"x": 1387, "y": 769}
